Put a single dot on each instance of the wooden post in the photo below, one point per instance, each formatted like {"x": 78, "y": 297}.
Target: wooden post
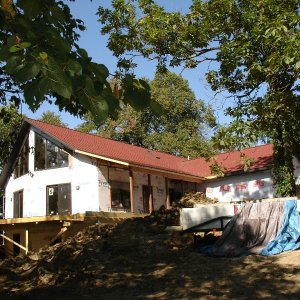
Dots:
{"x": 167, "y": 193}
{"x": 131, "y": 190}
{"x": 182, "y": 189}
{"x": 195, "y": 187}
{"x": 109, "y": 187}
{"x": 26, "y": 240}
{"x": 150, "y": 194}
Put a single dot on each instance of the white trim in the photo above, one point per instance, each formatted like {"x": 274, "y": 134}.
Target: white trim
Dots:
{"x": 103, "y": 158}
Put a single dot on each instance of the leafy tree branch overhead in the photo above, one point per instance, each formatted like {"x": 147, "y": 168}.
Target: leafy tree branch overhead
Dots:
{"x": 40, "y": 60}
{"x": 182, "y": 130}
{"x": 254, "y": 49}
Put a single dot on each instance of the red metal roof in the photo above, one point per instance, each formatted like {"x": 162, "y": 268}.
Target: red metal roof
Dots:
{"x": 143, "y": 157}
{"x": 231, "y": 162}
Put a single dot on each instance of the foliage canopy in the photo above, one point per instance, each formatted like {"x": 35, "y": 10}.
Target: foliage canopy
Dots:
{"x": 10, "y": 119}
{"x": 52, "y": 118}
{"x": 253, "y": 45}
{"x": 41, "y": 60}
{"x": 180, "y": 130}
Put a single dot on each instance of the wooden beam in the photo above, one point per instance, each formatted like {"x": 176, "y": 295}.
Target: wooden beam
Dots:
{"x": 76, "y": 217}
{"x": 150, "y": 194}
{"x": 15, "y": 243}
{"x": 62, "y": 230}
{"x": 167, "y": 193}
{"x": 164, "y": 173}
{"x": 131, "y": 190}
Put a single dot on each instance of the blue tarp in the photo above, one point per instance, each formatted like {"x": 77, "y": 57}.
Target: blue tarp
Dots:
{"x": 288, "y": 236}
{"x": 265, "y": 228}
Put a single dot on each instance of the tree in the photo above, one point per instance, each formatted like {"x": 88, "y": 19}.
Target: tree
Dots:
{"x": 40, "y": 60}
{"x": 180, "y": 130}
{"x": 253, "y": 45}
{"x": 10, "y": 119}
{"x": 52, "y": 118}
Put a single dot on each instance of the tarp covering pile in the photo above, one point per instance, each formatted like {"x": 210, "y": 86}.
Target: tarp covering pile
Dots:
{"x": 264, "y": 228}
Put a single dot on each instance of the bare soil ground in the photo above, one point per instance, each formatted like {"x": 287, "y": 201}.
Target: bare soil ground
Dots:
{"x": 139, "y": 259}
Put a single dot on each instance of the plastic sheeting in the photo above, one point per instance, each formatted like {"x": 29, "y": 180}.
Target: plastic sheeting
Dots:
{"x": 288, "y": 237}
{"x": 264, "y": 228}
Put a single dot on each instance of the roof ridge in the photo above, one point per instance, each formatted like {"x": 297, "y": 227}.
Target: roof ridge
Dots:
{"x": 245, "y": 149}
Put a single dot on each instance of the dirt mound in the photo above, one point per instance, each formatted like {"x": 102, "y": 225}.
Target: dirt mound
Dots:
{"x": 191, "y": 199}
{"x": 98, "y": 247}
{"x": 139, "y": 259}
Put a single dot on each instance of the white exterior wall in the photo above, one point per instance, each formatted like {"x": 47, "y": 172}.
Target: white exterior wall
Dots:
{"x": 258, "y": 185}
{"x": 139, "y": 179}
{"x": 158, "y": 187}
{"x": 81, "y": 174}
{"x": 159, "y": 191}
{"x": 104, "y": 188}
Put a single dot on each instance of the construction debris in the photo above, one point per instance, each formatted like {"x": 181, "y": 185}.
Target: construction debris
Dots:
{"x": 192, "y": 199}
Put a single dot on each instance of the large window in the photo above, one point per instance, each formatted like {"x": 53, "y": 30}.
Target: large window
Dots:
{"x": 59, "y": 199}
{"x": 120, "y": 195}
{"x": 48, "y": 155}
{"x": 21, "y": 167}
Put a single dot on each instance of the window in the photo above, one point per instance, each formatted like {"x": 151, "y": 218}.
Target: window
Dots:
{"x": 21, "y": 167}
{"x": 120, "y": 195}
{"x": 175, "y": 196}
{"x": 48, "y": 155}
{"x": 59, "y": 199}
{"x": 18, "y": 204}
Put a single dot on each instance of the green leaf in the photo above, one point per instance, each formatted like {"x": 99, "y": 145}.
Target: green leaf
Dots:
{"x": 100, "y": 71}
{"x": 60, "y": 83}
{"x": 43, "y": 87}
{"x": 156, "y": 108}
{"x": 89, "y": 87}
{"x": 43, "y": 56}
{"x": 137, "y": 94}
{"x": 11, "y": 41}
{"x": 30, "y": 94}
{"x": 13, "y": 64}
{"x": 19, "y": 47}
{"x": 57, "y": 14}
{"x": 112, "y": 101}
{"x": 62, "y": 87}
{"x": 31, "y": 8}
{"x": 82, "y": 53}
{"x": 28, "y": 72}
{"x": 96, "y": 105}
{"x": 74, "y": 67}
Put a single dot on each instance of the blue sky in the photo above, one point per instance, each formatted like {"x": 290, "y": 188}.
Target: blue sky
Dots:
{"x": 95, "y": 44}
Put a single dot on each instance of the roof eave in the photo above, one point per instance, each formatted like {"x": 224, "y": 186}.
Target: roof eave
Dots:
{"x": 141, "y": 167}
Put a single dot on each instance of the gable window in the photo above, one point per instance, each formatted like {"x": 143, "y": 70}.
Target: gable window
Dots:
{"x": 48, "y": 155}
{"x": 21, "y": 167}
